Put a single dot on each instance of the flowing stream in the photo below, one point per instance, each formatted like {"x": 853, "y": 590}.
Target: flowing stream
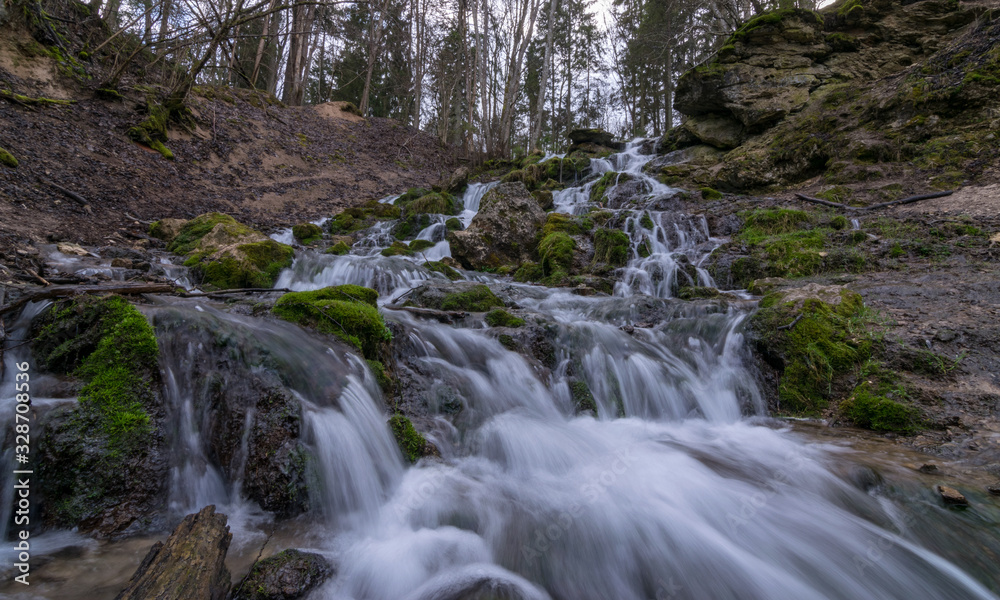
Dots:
{"x": 675, "y": 485}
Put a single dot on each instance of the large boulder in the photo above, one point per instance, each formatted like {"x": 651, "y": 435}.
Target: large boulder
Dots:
{"x": 503, "y": 232}
{"x": 190, "y": 564}
{"x": 592, "y": 136}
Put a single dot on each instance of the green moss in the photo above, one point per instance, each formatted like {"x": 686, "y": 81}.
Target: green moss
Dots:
{"x": 608, "y": 180}
{"x": 583, "y": 400}
{"x": 163, "y": 150}
{"x": 827, "y": 342}
{"x": 453, "y": 224}
{"x": 838, "y": 222}
{"x": 696, "y": 292}
{"x": 440, "y": 267}
{"x": 346, "y": 311}
{"x": 556, "y": 254}
{"x": 761, "y": 223}
{"x": 773, "y": 18}
{"x": 501, "y": 318}
{"x": 195, "y": 229}
{"x": 508, "y": 342}
{"x": 307, "y": 233}
{"x": 257, "y": 266}
{"x": 837, "y": 193}
{"x": 528, "y": 272}
{"x": 611, "y": 246}
{"x": 850, "y": 7}
{"x": 7, "y": 159}
{"x": 435, "y": 203}
{"x": 708, "y": 193}
{"x": 397, "y": 249}
{"x": 871, "y": 406}
{"x": 411, "y": 443}
{"x": 110, "y": 345}
{"x": 420, "y": 245}
{"x": 478, "y": 298}
{"x": 646, "y": 221}
{"x": 361, "y": 217}
{"x": 340, "y": 248}
{"x": 841, "y": 42}
{"x": 385, "y": 382}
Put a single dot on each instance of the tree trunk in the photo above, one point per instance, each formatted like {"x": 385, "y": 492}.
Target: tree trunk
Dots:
{"x": 512, "y": 86}
{"x": 165, "y": 7}
{"x": 536, "y": 125}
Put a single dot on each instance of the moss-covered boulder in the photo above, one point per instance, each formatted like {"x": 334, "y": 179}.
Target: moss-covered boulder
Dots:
{"x": 101, "y": 463}
{"x": 361, "y": 217}
{"x": 611, "y": 247}
{"x": 457, "y": 296}
{"x": 339, "y": 249}
{"x": 288, "y": 575}
{"x": 349, "y": 312}
{"x": 499, "y": 317}
{"x": 226, "y": 254}
{"x": 307, "y": 233}
{"x": 503, "y": 232}
{"x": 816, "y": 337}
{"x": 166, "y": 229}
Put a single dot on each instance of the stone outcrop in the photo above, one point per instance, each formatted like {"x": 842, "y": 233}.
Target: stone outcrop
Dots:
{"x": 190, "y": 564}
{"x": 503, "y": 232}
{"x": 794, "y": 94}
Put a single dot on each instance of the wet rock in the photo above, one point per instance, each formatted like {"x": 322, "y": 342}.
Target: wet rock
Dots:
{"x": 120, "y": 252}
{"x": 454, "y": 296}
{"x": 994, "y": 490}
{"x": 190, "y": 564}
{"x": 593, "y": 136}
{"x": 458, "y": 180}
{"x": 121, "y": 263}
{"x": 720, "y": 131}
{"x": 275, "y": 474}
{"x": 928, "y": 468}
{"x": 72, "y": 249}
{"x": 503, "y": 232}
{"x": 952, "y": 496}
{"x": 288, "y": 575}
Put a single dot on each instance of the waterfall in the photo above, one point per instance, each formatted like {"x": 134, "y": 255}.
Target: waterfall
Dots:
{"x": 610, "y": 447}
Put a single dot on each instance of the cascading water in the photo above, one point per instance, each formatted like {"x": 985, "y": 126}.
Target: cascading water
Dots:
{"x": 672, "y": 485}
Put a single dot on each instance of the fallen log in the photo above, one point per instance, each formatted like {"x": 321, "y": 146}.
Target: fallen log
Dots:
{"x": 66, "y": 192}
{"x": 65, "y": 291}
{"x": 907, "y": 200}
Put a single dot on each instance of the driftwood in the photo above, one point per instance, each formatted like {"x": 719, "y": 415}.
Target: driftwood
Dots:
{"x": 444, "y": 316}
{"x": 907, "y": 200}
{"x": 68, "y": 193}
{"x": 73, "y": 290}
{"x": 190, "y": 564}
{"x": 37, "y": 276}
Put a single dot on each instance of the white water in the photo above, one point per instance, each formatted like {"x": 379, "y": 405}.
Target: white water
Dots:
{"x": 676, "y": 488}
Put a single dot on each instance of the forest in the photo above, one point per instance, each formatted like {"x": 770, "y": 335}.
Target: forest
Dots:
{"x": 496, "y": 78}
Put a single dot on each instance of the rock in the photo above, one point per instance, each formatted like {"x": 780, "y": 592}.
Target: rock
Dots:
{"x": 72, "y": 249}
{"x": 190, "y": 564}
{"x": 458, "y": 180}
{"x": 952, "y": 496}
{"x": 994, "y": 489}
{"x": 288, "y": 575}
{"x": 722, "y": 131}
{"x": 119, "y": 252}
{"x": 121, "y": 263}
{"x": 503, "y": 232}
{"x": 928, "y": 468}
{"x": 454, "y": 296}
{"x": 593, "y": 136}
{"x": 275, "y": 472}
{"x": 166, "y": 229}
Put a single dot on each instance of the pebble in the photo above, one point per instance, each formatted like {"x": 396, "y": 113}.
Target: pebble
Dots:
{"x": 952, "y": 496}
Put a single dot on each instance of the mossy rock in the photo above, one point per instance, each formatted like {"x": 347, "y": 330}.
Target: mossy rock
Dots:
{"x": 453, "y": 224}
{"x": 439, "y": 267}
{"x": 339, "y": 249}
{"x": 697, "y": 293}
{"x": 611, "y": 247}
{"x": 307, "y": 233}
{"x": 708, "y": 193}
{"x": 477, "y": 298}
{"x": 556, "y": 251}
{"x": 385, "y": 382}
{"x": 397, "y": 249}
{"x": 420, "y": 245}
{"x": 194, "y": 230}
{"x": 361, "y": 217}
{"x": 287, "y": 575}
{"x": 166, "y": 229}
{"x": 7, "y": 159}
{"x": 347, "y": 311}
{"x": 501, "y": 318}
{"x": 568, "y": 224}
{"x": 98, "y": 459}
{"x": 411, "y": 443}
{"x": 815, "y": 336}
{"x": 871, "y": 407}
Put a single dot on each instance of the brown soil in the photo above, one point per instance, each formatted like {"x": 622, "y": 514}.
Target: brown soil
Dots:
{"x": 266, "y": 165}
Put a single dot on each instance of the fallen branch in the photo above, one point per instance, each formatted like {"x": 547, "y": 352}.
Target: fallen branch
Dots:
{"x": 37, "y": 276}
{"x": 68, "y": 193}
{"x": 29, "y": 101}
{"x": 444, "y": 316}
{"x": 232, "y": 291}
{"x": 907, "y": 200}
{"x": 790, "y": 325}
{"x": 73, "y": 290}
{"x": 138, "y": 220}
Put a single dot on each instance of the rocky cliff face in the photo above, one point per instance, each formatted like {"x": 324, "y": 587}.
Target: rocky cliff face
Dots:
{"x": 865, "y": 89}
